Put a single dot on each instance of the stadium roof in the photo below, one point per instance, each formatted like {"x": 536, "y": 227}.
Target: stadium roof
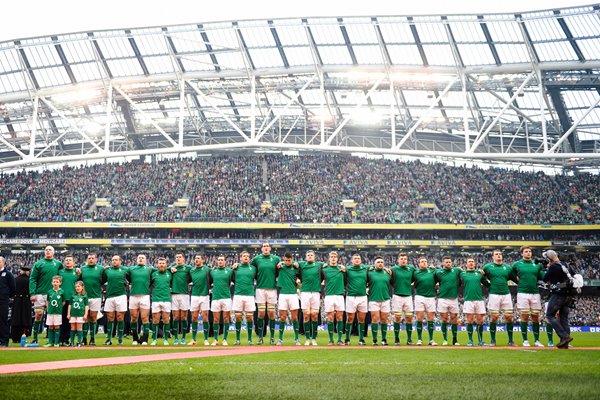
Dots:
{"x": 500, "y": 87}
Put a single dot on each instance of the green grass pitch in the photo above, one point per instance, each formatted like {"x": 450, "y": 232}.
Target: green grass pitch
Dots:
{"x": 321, "y": 373}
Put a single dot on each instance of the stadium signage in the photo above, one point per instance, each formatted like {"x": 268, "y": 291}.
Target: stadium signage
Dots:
{"x": 33, "y": 241}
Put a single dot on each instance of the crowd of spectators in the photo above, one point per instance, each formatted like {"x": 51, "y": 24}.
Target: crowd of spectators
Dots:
{"x": 307, "y": 188}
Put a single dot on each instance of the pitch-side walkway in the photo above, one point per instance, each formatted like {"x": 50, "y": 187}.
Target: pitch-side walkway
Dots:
{"x": 102, "y": 362}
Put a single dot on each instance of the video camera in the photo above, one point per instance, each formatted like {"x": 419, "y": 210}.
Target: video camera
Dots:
{"x": 542, "y": 260}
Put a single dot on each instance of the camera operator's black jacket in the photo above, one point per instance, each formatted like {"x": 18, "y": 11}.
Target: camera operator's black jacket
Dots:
{"x": 558, "y": 280}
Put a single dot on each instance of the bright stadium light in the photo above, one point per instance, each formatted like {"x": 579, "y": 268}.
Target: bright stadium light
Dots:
{"x": 367, "y": 117}
{"x": 76, "y": 96}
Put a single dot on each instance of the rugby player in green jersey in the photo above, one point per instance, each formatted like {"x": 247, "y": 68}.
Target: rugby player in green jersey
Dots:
{"x": 356, "y": 299}
{"x": 200, "y": 304}
{"x": 379, "y": 299}
{"x": 499, "y": 299}
{"x": 448, "y": 278}
{"x": 115, "y": 305}
{"x": 266, "y": 289}
{"x": 402, "y": 302}
{"x": 334, "y": 276}
{"x": 529, "y": 301}
{"x": 69, "y": 277}
{"x": 221, "y": 279}
{"x": 40, "y": 283}
{"x": 56, "y": 301}
{"x": 161, "y": 281}
{"x": 91, "y": 275}
{"x": 474, "y": 306}
{"x": 425, "y": 299}
{"x": 180, "y": 303}
{"x": 244, "y": 277}
{"x": 77, "y": 313}
{"x": 288, "y": 295}
{"x": 139, "y": 298}
{"x": 310, "y": 296}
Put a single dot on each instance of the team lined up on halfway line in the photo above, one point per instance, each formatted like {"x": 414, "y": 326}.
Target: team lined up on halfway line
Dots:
{"x": 270, "y": 285}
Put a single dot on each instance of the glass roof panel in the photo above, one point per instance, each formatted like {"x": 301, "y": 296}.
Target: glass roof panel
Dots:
{"x": 335, "y": 55}
{"x": 263, "y": 58}
{"x": 78, "y": 51}
{"x": 116, "y": 47}
{"x": 361, "y": 33}
{"x": 223, "y": 39}
{"x": 12, "y": 83}
{"x": 406, "y": 54}
{"x": 52, "y": 76}
{"x": 259, "y": 36}
{"x": 197, "y": 62}
{"x": 396, "y": 32}
{"x": 513, "y": 53}
{"x": 299, "y": 55}
{"x": 291, "y": 35}
{"x": 368, "y": 54}
{"x": 231, "y": 60}
{"x": 41, "y": 56}
{"x": 160, "y": 64}
{"x": 439, "y": 54}
{"x": 327, "y": 34}
{"x": 432, "y": 33}
{"x": 583, "y": 25}
{"x": 188, "y": 41}
{"x": 590, "y": 48}
{"x": 9, "y": 60}
{"x": 86, "y": 71}
{"x": 555, "y": 51}
{"x": 467, "y": 32}
{"x": 508, "y": 31}
{"x": 544, "y": 29}
{"x": 151, "y": 44}
{"x": 476, "y": 54}
{"x": 126, "y": 67}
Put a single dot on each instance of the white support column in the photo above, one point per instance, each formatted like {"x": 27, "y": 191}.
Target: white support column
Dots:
{"x": 500, "y": 114}
{"x": 181, "y": 110}
{"x": 392, "y": 112}
{"x": 34, "y": 125}
{"x": 463, "y": 78}
{"x": 143, "y": 114}
{"x": 356, "y": 108}
{"x": 420, "y": 120}
{"x": 253, "y": 107}
{"x": 542, "y": 100}
{"x": 573, "y": 127}
{"x": 109, "y": 97}
{"x": 322, "y": 106}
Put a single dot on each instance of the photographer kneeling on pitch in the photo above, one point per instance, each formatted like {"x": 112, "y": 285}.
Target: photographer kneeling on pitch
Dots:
{"x": 563, "y": 287}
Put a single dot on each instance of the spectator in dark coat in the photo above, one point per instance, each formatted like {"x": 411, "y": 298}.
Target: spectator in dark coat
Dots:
{"x": 7, "y": 291}
{"x": 21, "y": 311}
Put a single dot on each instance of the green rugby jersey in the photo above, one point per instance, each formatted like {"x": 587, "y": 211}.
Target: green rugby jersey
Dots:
{"x": 449, "y": 282}
{"x": 181, "y": 278}
{"x": 78, "y": 304}
{"x": 425, "y": 282}
{"x": 334, "y": 280}
{"x": 139, "y": 276}
{"x": 40, "y": 279}
{"x": 529, "y": 274}
{"x": 310, "y": 274}
{"x": 161, "y": 282}
{"x": 286, "y": 279}
{"x": 55, "y": 301}
{"x": 499, "y": 275}
{"x": 402, "y": 279}
{"x": 472, "y": 281}
{"x": 244, "y": 277}
{"x": 199, "y": 277}
{"x": 221, "y": 280}
{"x": 379, "y": 285}
{"x": 267, "y": 270}
{"x": 91, "y": 275}
{"x": 69, "y": 277}
{"x": 115, "y": 279}
{"x": 357, "y": 280}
